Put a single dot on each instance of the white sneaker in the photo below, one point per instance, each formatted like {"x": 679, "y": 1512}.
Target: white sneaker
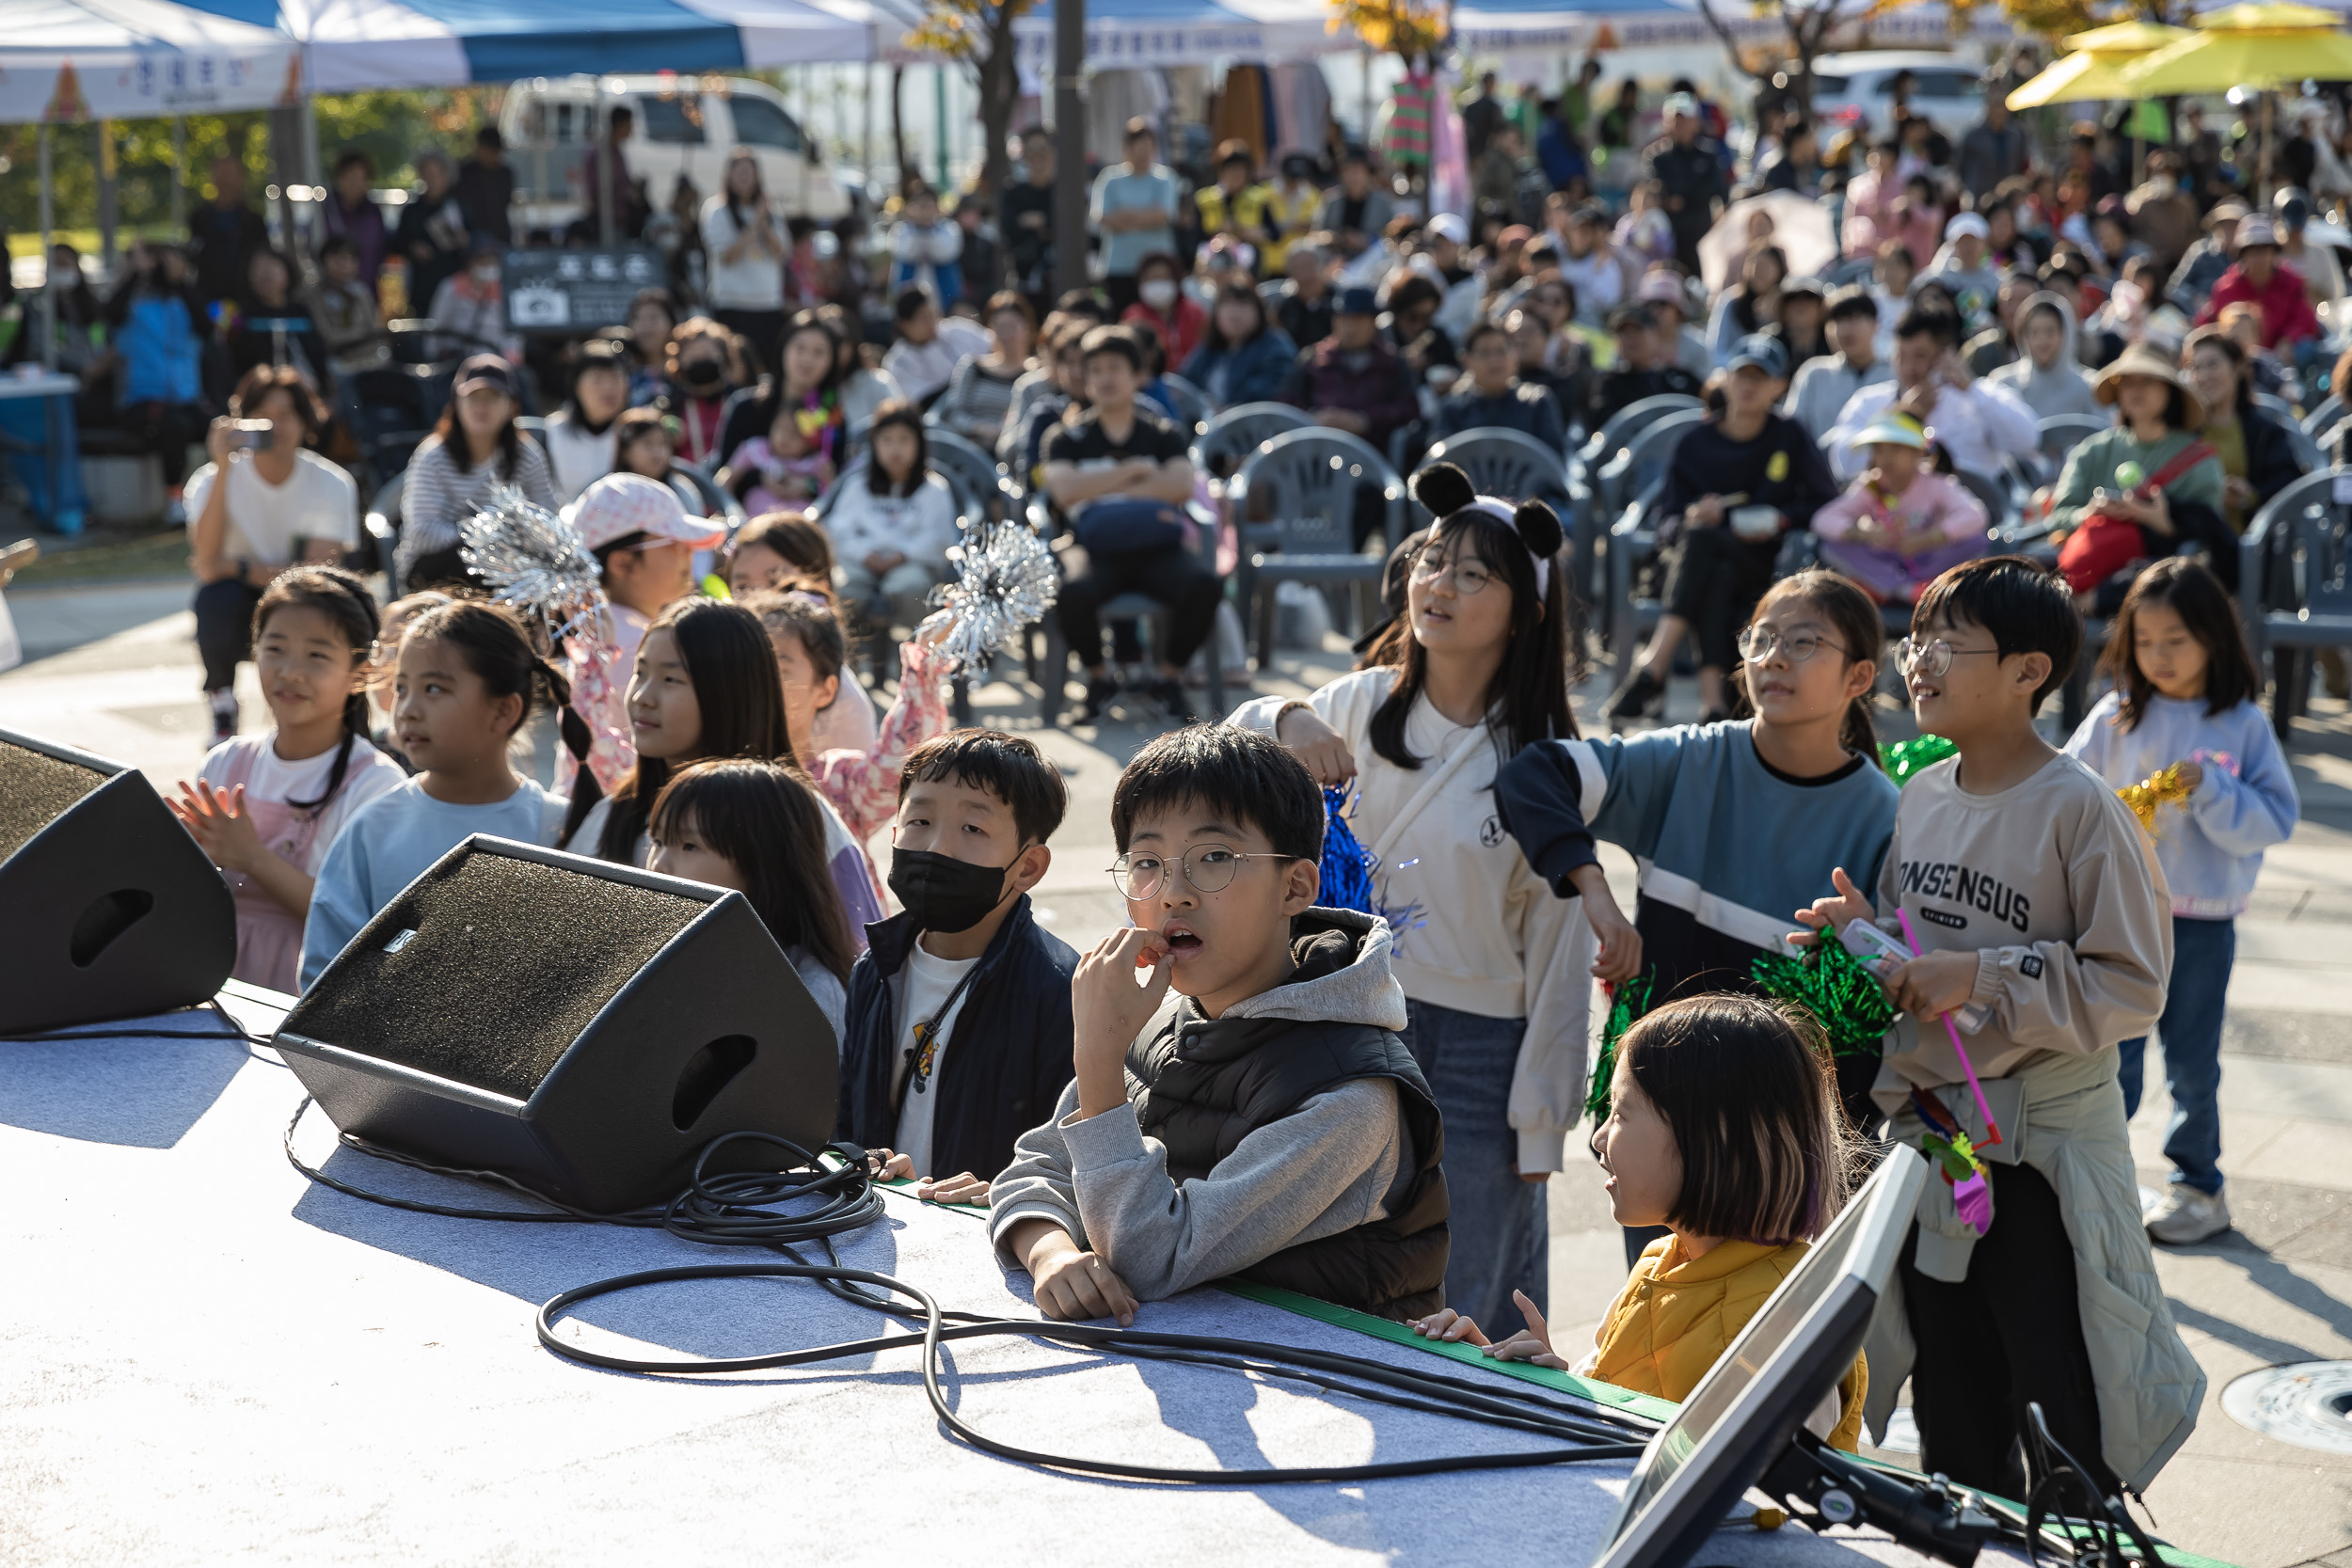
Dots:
{"x": 2188, "y": 1216}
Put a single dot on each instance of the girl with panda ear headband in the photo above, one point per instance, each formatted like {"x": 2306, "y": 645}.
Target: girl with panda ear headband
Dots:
{"x": 1497, "y": 972}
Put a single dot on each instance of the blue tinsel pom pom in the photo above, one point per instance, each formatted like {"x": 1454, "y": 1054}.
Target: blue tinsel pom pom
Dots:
{"x": 1347, "y": 865}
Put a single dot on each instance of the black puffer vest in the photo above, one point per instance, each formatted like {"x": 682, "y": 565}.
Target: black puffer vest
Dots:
{"x": 1209, "y": 1083}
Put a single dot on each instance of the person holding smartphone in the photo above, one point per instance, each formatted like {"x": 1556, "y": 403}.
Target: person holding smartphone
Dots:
{"x": 264, "y": 503}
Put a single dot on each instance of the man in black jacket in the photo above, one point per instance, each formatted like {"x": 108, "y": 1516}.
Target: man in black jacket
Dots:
{"x": 1689, "y": 165}
{"x": 958, "y": 1029}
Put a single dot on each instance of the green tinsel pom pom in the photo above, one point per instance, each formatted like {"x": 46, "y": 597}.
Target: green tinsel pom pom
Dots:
{"x": 1905, "y": 759}
{"x": 1835, "y": 987}
{"x": 1628, "y": 1002}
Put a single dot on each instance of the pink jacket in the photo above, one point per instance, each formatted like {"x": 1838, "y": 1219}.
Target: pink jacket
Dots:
{"x": 1934, "y": 501}
{"x": 863, "y": 785}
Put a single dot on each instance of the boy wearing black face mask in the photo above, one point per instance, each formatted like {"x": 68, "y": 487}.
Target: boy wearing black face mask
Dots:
{"x": 959, "y": 1031}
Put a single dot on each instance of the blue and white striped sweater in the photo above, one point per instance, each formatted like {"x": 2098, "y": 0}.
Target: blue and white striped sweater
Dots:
{"x": 1729, "y": 849}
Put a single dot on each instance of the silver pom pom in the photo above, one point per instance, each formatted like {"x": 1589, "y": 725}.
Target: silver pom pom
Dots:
{"x": 1004, "y": 583}
{"x": 532, "y": 560}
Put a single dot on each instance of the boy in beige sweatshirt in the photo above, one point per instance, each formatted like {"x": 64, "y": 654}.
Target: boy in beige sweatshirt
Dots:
{"x": 2043, "y": 929}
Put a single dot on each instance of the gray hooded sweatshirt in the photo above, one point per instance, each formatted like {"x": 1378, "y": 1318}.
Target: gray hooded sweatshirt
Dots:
{"x": 1336, "y": 1163}
{"x": 2065, "y": 387}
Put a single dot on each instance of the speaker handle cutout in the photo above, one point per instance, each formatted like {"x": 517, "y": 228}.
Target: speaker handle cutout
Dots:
{"x": 708, "y": 1071}
{"x": 107, "y": 917}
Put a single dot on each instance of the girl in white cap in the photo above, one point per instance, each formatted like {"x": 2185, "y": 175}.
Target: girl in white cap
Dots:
{"x": 641, "y": 536}
{"x": 1900, "y": 524}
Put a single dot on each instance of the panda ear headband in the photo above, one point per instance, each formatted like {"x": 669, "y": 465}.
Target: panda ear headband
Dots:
{"x": 1446, "y": 490}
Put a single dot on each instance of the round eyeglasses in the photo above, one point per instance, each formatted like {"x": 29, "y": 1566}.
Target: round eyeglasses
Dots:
{"x": 1758, "y": 644}
{"x": 1469, "y": 576}
{"x": 1209, "y": 867}
{"x": 1932, "y": 657}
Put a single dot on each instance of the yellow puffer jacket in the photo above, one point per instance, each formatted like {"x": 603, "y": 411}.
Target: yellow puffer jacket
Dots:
{"x": 1676, "y": 1315}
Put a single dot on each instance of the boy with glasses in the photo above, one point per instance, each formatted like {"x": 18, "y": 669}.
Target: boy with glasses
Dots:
{"x": 1266, "y": 1121}
{"x": 2043, "y": 933}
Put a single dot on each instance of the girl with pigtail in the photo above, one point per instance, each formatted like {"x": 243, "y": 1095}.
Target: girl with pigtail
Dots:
{"x": 266, "y": 807}
{"x": 1732, "y": 822}
{"x": 466, "y": 683}
{"x": 1497, "y": 972}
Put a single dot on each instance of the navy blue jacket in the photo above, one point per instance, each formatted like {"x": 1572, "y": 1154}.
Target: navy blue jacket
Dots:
{"x": 1005, "y": 1065}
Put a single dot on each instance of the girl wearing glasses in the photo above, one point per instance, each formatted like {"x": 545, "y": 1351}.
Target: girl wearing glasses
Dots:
{"x": 1731, "y": 822}
{"x": 1496, "y": 972}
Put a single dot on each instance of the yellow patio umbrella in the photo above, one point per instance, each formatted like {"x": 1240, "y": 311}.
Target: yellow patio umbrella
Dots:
{"x": 2246, "y": 46}
{"x": 2092, "y": 71}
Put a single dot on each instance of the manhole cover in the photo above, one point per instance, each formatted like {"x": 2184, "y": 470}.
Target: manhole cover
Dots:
{"x": 2308, "y": 1404}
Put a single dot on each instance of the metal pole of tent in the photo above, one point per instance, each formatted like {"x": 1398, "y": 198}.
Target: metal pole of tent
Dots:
{"x": 178, "y": 174}
{"x": 1365, "y": 56}
{"x": 1070, "y": 147}
{"x": 605, "y": 160}
{"x": 939, "y": 118}
{"x": 313, "y": 169}
{"x": 108, "y": 206}
{"x": 865, "y": 136}
{"x": 48, "y": 295}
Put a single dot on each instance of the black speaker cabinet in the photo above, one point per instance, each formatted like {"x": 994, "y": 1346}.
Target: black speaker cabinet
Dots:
{"x": 582, "y": 1027}
{"x": 107, "y": 907}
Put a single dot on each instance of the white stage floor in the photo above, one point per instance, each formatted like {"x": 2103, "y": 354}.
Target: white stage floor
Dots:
{"x": 207, "y": 1359}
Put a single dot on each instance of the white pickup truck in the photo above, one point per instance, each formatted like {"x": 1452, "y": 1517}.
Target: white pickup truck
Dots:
{"x": 685, "y": 125}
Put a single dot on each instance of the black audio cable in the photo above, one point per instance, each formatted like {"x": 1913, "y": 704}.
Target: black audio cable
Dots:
{"x": 1451, "y": 1397}
{"x": 735, "y": 1209}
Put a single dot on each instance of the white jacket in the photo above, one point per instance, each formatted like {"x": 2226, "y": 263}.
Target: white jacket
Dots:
{"x": 1475, "y": 929}
{"x": 921, "y": 526}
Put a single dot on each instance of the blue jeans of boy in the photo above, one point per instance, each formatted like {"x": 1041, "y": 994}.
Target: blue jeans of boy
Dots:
{"x": 2190, "y": 1032}
{"x": 1500, "y": 1238}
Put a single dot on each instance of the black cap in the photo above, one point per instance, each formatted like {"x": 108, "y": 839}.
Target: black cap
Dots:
{"x": 484, "y": 369}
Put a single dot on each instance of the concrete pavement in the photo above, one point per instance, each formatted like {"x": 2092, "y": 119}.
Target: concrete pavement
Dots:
{"x": 113, "y": 670}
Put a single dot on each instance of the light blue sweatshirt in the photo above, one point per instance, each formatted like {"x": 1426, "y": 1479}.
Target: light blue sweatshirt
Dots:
{"x": 390, "y": 841}
{"x": 2211, "y": 847}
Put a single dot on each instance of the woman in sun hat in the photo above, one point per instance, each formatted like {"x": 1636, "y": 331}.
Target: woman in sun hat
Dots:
{"x": 2148, "y": 486}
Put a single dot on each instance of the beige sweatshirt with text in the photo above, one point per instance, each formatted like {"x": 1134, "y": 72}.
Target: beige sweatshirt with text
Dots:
{"x": 2055, "y": 887}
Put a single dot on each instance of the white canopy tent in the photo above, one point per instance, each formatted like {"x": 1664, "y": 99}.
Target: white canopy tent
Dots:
{"x": 65, "y": 62}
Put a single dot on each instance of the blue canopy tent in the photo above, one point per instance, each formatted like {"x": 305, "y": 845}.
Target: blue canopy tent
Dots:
{"x": 1143, "y": 33}
{"x": 349, "y": 45}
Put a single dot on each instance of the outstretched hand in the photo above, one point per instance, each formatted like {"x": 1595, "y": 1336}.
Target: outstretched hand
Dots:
{"x": 1532, "y": 1343}
{"x": 1832, "y": 914}
{"x": 963, "y": 1188}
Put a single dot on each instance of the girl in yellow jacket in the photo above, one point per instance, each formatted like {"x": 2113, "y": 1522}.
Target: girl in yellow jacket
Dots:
{"x": 1723, "y": 1127}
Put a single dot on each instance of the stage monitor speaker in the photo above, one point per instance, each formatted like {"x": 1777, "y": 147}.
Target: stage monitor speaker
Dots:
{"x": 582, "y": 1027}
{"x": 109, "y": 908}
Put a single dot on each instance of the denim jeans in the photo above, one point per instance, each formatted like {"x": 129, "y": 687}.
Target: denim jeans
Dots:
{"x": 1501, "y": 1239}
{"x": 2190, "y": 1032}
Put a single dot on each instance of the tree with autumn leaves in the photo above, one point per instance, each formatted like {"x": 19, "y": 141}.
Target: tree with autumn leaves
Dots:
{"x": 978, "y": 33}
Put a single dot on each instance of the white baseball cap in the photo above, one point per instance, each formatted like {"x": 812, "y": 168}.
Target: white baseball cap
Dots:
{"x": 1447, "y": 225}
{"x": 1965, "y": 224}
{"x": 618, "y": 505}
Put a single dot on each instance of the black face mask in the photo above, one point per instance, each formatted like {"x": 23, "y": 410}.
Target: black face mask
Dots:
{"x": 942, "y": 892}
{"x": 701, "y": 373}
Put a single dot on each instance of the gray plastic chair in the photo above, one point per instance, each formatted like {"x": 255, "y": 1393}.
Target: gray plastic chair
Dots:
{"x": 1307, "y": 481}
{"x": 2295, "y": 585}
{"x": 970, "y": 472}
{"x": 1507, "y": 463}
{"x": 2324, "y": 419}
{"x": 1633, "y": 536}
{"x": 1241, "y": 429}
